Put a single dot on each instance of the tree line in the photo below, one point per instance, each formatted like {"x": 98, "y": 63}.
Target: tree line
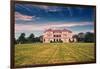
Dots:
{"x": 30, "y": 39}
{"x": 85, "y": 37}
{"x": 80, "y": 37}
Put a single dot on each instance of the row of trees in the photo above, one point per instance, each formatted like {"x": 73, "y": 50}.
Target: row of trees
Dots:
{"x": 80, "y": 37}
{"x": 31, "y": 39}
{"x": 85, "y": 37}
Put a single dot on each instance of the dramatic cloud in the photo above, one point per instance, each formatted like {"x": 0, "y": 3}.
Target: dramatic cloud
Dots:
{"x": 70, "y": 11}
{"x": 41, "y": 6}
{"x": 48, "y": 8}
{"x": 42, "y": 27}
{"x": 32, "y": 27}
{"x": 19, "y": 16}
{"x": 72, "y": 24}
{"x": 32, "y": 18}
{"x": 88, "y": 30}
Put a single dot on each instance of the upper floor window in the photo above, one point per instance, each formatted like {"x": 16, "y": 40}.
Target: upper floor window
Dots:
{"x": 57, "y": 36}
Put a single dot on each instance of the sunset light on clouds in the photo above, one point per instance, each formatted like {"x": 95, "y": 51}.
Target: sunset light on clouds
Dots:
{"x": 37, "y": 18}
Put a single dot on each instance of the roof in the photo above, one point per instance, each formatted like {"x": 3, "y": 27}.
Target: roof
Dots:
{"x": 67, "y": 30}
{"x": 64, "y": 30}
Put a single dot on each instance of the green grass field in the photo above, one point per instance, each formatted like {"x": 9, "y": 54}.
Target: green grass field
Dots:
{"x": 51, "y": 53}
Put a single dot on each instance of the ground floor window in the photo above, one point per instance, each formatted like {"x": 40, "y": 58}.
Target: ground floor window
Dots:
{"x": 56, "y": 40}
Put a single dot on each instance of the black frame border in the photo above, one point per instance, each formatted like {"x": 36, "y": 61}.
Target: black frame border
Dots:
{"x": 12, "y": 30}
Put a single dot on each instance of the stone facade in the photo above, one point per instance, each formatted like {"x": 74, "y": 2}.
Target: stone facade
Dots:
{"x": 51, "y": 35}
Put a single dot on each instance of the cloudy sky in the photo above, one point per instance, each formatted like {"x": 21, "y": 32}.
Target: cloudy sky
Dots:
{"x": 30, "y": 18}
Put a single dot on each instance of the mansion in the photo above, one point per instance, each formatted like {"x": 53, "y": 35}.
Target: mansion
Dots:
{"x": 64, "y": 36}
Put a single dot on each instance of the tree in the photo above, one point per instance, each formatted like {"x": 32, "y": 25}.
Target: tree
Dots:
{"x": 37, "y": 39}
{"x": 30, "y": 39}
{"x": 22, "y": 38}
{"x": 89, "y": 37}
{"x": 41, "y": 38}
{"x": 75, "y": 38}
{"x": 81, "y": 37}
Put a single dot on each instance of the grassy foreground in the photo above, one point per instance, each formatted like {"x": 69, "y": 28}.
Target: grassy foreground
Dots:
{"x": 50, "y": 53}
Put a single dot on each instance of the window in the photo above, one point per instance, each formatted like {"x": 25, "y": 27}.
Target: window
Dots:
{"x": 57, "y": 36}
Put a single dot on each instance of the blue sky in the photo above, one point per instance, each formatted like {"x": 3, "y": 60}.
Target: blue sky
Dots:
{"x": 30, "y": 18}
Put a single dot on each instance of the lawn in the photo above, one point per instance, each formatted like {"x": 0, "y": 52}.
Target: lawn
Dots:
{"x": 51, "y": 53}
